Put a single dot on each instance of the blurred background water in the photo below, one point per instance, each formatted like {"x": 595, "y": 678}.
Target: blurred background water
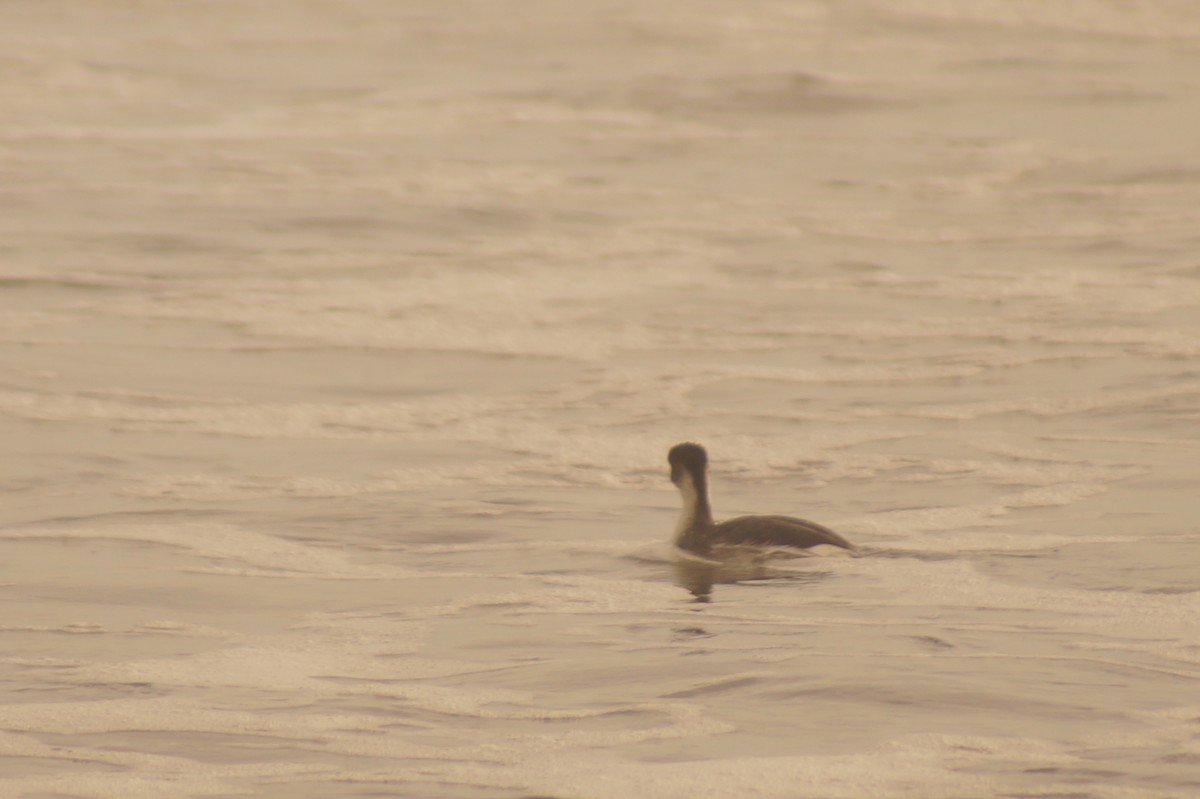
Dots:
{"x": 342, "y": 344}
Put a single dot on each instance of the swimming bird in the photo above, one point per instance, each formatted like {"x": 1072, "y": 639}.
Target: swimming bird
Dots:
{"x": 698, "y": 533}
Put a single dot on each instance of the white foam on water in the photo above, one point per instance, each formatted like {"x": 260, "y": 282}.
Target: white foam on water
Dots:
{"x": 235, "y": 549}
{"x": 77, "y": 628}
{"x": 1157, "y": 19}
{"x": 943, "y": 579}
{"x": 1044, "y": 406}
{"x": 302, "y": 420}
{"x": 429, "y": 309}
{"x": 564, "y": 594}
{"x": 896, "y": 773}
{"x": 913, "y": 524}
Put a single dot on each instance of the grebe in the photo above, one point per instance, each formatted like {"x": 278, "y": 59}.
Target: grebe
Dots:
{"x": 698, "y": 533}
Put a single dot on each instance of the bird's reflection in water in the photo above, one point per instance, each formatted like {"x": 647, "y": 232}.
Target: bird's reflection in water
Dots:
{"x": 738, "y": 565}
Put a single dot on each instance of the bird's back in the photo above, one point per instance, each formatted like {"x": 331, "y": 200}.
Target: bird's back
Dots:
{"x": 785, "y": 531}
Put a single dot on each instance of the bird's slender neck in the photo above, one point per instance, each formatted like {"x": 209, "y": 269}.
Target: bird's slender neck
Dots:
{"x": 695, "y": 519}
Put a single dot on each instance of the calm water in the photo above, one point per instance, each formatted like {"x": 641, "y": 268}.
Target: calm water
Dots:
{"x": 341, "y": 345}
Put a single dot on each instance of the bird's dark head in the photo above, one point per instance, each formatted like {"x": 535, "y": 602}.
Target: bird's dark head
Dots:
{"x": 687, "y": 459}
